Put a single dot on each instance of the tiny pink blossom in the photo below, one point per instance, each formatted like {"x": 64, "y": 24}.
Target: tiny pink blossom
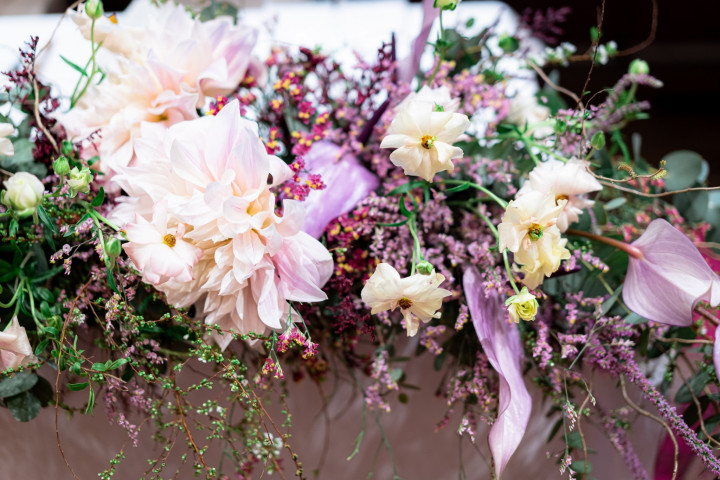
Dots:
{"x": 159, "y": 252}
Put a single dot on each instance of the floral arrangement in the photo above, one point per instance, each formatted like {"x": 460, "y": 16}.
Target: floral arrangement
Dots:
{"x": 285, "y": 218}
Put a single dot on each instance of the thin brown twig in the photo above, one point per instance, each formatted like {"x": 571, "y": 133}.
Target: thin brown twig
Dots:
{"x": 708, "y": 314}
{"x": 57, "y": 26}
{"x": 634, "y": 49}
{"x": 187, "y": 429}
{"x": 552, "y": 84}
{"x": 57, "y": 379}
{"x": 645, "y": 413}
{"x": 595, "y": 44}
{"x": 36, "y": 110}
{"x": 697, "y": 405}
{"x": 654, "y": 195}
{"x": 582, "y": 436}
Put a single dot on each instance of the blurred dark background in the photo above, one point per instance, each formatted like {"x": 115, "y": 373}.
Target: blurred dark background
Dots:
{"x": 685, "y": 55}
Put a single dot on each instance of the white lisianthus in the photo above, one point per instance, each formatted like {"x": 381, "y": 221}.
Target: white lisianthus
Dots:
{"x": 424, "y": 138}
{"x": 525, "y": 110}
{"x": 437, "y": 99}
{"x": 6, "y": 146}
{"x": 79, "y": 181}
{"x": 568, "y": 181}
{"x": 524, "y": 306}
{"x": 529, "y": 230}
{"x": 23, "y": 194}
{"x": 418, "y": 296}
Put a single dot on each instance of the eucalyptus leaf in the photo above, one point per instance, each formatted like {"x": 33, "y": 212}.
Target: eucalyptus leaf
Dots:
{"x": 685, "y": 169}
{"x": 24, "y": 406}
{"x": 20, "y": 382}
{"x": 693, "y": 205}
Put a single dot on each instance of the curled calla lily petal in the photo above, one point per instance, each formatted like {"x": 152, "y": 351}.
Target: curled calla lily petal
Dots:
{"x": 670, "y": 278}
{"x": 501, "y": 343}
{"x": 407, "y": 68}
{"x": 338, "y": 173}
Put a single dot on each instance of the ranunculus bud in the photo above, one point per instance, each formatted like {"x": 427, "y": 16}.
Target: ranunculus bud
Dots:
{"x": 446, "y": 4}
{"x": 94, "y": 9}
{"x": 113, "y": 247}
{"x": 639, "y": 67}
{"x": 66, "y": 148}
{"x": 523, "y": 305}
{"x": 23, "y": 194}
{"x": 598, "y": 141}
{"x": 508, "y": 43}
{"x": 425, "y": 268}
{"x": 79, "y": 181}
{"x": 61, "y": 166}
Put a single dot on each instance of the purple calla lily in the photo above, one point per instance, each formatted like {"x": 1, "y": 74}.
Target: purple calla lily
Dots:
{"x": 348, "y": 182}
{"x": 668, "y": 276}
{"x": 407, "y": 68}
{"x": 501, "y": 343}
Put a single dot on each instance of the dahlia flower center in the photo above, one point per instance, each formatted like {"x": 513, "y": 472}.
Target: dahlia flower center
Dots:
{"x": 561, "y": 197}
{"x": 535, "y": 232}
{"x": 427, "y": 141}
{"x": 405, "y": 303}
{"x": 169, "y": 240}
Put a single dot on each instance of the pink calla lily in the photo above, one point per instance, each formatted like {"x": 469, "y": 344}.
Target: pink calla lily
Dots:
{"x": 668, "y": 276}
{"x": 501, "y": 343}
{"x": 348, "y": 182}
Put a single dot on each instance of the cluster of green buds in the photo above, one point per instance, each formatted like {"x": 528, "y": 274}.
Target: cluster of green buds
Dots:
{"x": 78, "y": 179}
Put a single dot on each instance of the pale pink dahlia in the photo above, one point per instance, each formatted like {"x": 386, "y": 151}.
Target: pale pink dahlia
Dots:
{"x": 217, "y": 180}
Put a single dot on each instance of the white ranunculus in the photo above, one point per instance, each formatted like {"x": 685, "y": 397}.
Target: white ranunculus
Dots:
{"x": 528, "y": 229}
{"x": 418, "y": 296}
{"x": 23, "y": 193}
{"x": 568, "y": 181}
{"x": 6, "y": 146}
{"x": 423, "y": 138}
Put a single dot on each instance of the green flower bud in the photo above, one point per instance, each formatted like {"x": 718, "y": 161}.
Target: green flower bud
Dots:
{"x": 508, "y": 43}
{"x": 598, "y": 141}
{"x": 560, "y": 126}
{"x": 425, "y": 268}
{"x": 79, "y": 181}
{"x": 94, "y": 9}
{"x": 524, "y": 306}
{"x": 639, "y": 66}
{"x": 23, "y": 194}
{"x": 61, "y": 166}
{"x": 446, "y": 4}
{"x": 113, "y": 247}
{"x": 66, "y": 148}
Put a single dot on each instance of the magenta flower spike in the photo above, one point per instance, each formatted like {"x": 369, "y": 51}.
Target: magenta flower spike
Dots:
{"x": 348, "y": 182}
{"x": 500, "y": 340}
{"x": 668, "y": 276}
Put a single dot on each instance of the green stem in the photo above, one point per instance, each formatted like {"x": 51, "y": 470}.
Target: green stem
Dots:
{"x": 625, "y": 247}
{"x": 14, "y": 297}
{"x": 417, "y": 255}
{"x": 487, "y": 192}
{"x": 440, "y": 51}
{"x": 509, "y": 272}
{"x": 32, "y": 304}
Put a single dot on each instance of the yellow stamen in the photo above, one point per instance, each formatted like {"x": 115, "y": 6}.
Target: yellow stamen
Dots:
{"x": 427, "y": 141}
{"x": 405, "y": 303}
{"x": 169, "y": 240}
